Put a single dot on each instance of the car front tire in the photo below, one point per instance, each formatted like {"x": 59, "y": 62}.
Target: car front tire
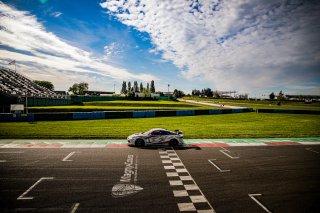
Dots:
{"x": 139, "y": 142}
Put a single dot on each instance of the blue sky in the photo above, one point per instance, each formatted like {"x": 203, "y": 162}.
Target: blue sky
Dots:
{"x": 253, "y": 47}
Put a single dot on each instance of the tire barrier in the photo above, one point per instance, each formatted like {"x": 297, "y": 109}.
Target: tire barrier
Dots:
{"x": 88, "y": 115}
{"x": 185, "y": 112}
{"x": 66, "y": 116}
{"x": 10, "y": 117}
{"x": 58, "y": 116}
{"x": 143, "y": 114}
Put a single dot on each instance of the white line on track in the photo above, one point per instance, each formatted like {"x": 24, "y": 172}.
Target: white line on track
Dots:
{"x": 75, "y": 207}
{"x": 22, "y": 196}
{"x": 252, "y": 196}
{"x": 225, "y": 149}
{"x": 225, "y": 152}
{"x": 3, "y": 161}
{"x": 217, "y": 167}
{"x": 312, "y": 150}
{"x": 68, "y": 156}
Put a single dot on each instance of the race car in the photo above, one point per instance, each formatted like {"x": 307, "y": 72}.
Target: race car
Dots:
{"x": 156, "y": 136}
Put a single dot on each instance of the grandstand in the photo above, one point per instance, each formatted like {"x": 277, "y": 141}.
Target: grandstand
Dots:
{"x": 13, "y": 84}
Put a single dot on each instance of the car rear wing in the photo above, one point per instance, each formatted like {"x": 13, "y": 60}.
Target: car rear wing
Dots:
{"x": 178, "y": 132}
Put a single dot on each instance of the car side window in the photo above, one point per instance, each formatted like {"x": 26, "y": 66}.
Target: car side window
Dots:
{"x": 156, "y": 133}
{"x": 162, "y": 132}
{"x": 167, "y": 133}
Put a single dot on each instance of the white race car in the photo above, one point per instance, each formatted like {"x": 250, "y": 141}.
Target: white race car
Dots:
{"x": 156, "y": 136}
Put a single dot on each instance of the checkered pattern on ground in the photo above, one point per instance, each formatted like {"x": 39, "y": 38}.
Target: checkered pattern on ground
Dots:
{"x": 187, "y": 193}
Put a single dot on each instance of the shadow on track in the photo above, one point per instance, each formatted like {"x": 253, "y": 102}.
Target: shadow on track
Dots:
{"x": 183, "y": 147}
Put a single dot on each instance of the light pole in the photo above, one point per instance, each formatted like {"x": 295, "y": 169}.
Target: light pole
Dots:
{"x": 168, "y": 91}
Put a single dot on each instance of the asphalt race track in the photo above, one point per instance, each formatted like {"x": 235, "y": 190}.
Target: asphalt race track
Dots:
{"x": 204, "y": 179}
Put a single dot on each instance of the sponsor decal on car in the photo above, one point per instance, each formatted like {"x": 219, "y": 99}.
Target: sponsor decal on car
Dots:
{"x": 127, "y": 184}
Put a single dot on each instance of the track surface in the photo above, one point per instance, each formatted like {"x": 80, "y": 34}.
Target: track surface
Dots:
{"x": 232, "y": 179}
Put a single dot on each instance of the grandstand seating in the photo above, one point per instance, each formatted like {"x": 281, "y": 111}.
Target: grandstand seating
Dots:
{"x": 15, "y": 84}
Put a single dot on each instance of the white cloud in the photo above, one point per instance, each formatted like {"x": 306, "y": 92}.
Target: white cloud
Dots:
{"x": 56, "y": 14}
{"x": 244, "y": 45}
{"x": 113, "y": 49}
{"x": 40, "y": 53}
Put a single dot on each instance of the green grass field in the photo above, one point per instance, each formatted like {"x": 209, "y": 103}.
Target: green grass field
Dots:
{"x": 243, "y": 125}
{"x": 120, "y": 106}
{"x": 263, "y": 104}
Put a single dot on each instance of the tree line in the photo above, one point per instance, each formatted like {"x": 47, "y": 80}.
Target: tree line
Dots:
{"x": 205, "y": 92}
{"x": 280, "y": 96}
{"x": 129, "y": 89}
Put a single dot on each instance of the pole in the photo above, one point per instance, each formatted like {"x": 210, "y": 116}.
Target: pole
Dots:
{"x": 168, "y": 92}
{"x": 26, "y": 104}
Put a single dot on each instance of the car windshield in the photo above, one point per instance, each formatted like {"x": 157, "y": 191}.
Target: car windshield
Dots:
{"x": 147, "y": 132}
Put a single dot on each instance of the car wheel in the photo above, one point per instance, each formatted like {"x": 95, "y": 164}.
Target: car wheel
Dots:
{"x": 139, "y": 142}
{"x": 173, "y": 142}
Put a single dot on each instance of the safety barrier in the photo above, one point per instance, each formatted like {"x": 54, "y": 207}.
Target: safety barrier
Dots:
{"x": 7, "y": 117}
{"x": 58, "y": 116}
{"x": 88, "y": 115}
{"x": 64, "y": 116}
{"x": 144, "y": 114}
{"x": 185, "y": 112}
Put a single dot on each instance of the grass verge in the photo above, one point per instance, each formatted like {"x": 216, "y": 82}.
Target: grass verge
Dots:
{"x": 242, "y": 125}
{"x": 261, "y": 104}
{"x": 122, "y": 105}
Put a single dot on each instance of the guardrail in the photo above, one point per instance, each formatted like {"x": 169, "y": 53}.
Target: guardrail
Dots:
{"x": 66, "y": 116}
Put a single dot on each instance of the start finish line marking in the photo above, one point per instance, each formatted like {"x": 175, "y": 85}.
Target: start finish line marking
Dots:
{"x": 186, "y": 191}
{"x": 22, "y": 196}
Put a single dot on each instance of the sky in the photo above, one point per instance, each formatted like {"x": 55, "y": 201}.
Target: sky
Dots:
{"x": 251, "y": 46}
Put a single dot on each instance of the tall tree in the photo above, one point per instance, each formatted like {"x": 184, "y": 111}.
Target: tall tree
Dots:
{"x": 272, "y": 96}
{"x": 280, "y": 96}
{"x": 152, "y": 88}
{"x": 141, "y": 87}
{"x": 46, "y": 84}
{"x": 208, "y": 92}
{"x": 216, "y": 94}
{"x": 145, "y": 92}
{"x": 178, "y": 93}
{"x": 148, "y": 88}
{"x": 79, "y": 89}
{"x": 124, "y": 88}
{"x": 135, "y": 86}
{"x": 195, "y": 92}
{"x": 129, "y": 86}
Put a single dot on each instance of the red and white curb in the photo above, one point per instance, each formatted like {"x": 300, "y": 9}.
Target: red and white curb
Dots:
{"x": 124, "y": 145}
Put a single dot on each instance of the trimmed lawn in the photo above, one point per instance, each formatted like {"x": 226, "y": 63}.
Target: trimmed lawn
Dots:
{"x": 242, "y": 125}
{"x": 263, "y": 104}
{"x": 122, "y": 105}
